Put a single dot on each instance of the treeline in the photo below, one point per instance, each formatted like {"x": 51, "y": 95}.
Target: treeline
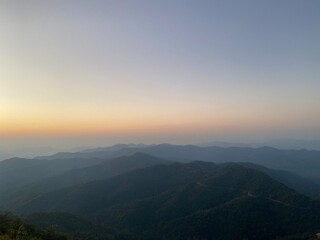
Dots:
{"x": 13, "y": 228}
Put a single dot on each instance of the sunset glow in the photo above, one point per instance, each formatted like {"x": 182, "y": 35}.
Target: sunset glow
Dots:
{"x": 159, "y": 68}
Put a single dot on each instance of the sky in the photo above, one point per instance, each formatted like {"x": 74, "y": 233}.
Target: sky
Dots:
{"x": 98, "y": 72}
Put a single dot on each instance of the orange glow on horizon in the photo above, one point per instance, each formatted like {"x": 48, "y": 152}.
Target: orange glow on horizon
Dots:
{"x": 49, "y": 127}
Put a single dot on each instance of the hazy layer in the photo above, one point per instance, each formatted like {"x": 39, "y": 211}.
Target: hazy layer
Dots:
{"x": 153, "y": 71}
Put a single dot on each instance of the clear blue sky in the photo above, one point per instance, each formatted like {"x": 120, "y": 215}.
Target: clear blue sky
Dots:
{"x": 151, "y": 71}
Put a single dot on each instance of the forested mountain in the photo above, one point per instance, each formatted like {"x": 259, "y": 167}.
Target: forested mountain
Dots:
{"x": 302, "y": 162}
{"x": 306, "y": 186}
{"x": 159, "y": 202}
{"x": 79, "y": 227}
{"x": 105, "y": 169}
{"x": 16, "y": 173}
{"x": 13, "y": 228}
{"x": 18, "y": 190}
{"x": 141, "y": 196}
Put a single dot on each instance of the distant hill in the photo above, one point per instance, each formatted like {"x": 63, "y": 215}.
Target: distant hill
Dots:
{"x": 24, "y": 179}
{"x": 303, "y": 162}
{"x": 283, "y": 143}
{"x": 105, "y": 169}
{"x": 100, "y": 152}
{"x": 197, "y": 200}
{"x": 19, "y": 171}
{"x": 294, "y": 144}
{"x": 22, "y": 190}
{"x": 16, "y": 173}
{"x": 115, "y": 147}
{"x": 302, "y": 185}
{"x": 113, "y": 167}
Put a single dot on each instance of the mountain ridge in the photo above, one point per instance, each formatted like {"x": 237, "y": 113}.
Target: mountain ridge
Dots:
{"x": 302, "y": 162}
{"x": 165, "y": 197}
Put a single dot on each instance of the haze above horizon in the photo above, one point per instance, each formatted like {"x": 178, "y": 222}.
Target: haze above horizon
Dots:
{"x": 158, "y": 71}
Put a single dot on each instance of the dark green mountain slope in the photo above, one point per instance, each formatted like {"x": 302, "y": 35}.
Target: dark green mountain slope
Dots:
{"x": 17, "y": 173}
{"x": 105, "y": 169}
{"x": 97, "y": 195}
{"x": 79, "y": 228}
{"x": 302, "y": 185}
{"x": 13, "y": 228}
{"x": 189, "y": 201}
{"x": 247, "y": 217}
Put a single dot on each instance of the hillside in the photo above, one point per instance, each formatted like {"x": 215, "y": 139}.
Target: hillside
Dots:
{"x": 105, "y": 169}
{"x": 302, "y": 185}
{"x": 13, "y": 228}
{"x": 199, "y": 195}
{"x": 102, "y": 169}
{"x": 17, "y": 172}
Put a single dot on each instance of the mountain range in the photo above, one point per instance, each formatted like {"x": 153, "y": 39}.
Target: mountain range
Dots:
{"x": 167, "y": 192}
{"x": 303, "y": 162}
{"x": 159, "y": 202}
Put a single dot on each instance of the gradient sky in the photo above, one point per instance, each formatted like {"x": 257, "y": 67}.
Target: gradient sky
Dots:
{"x": 165, "y": 70}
